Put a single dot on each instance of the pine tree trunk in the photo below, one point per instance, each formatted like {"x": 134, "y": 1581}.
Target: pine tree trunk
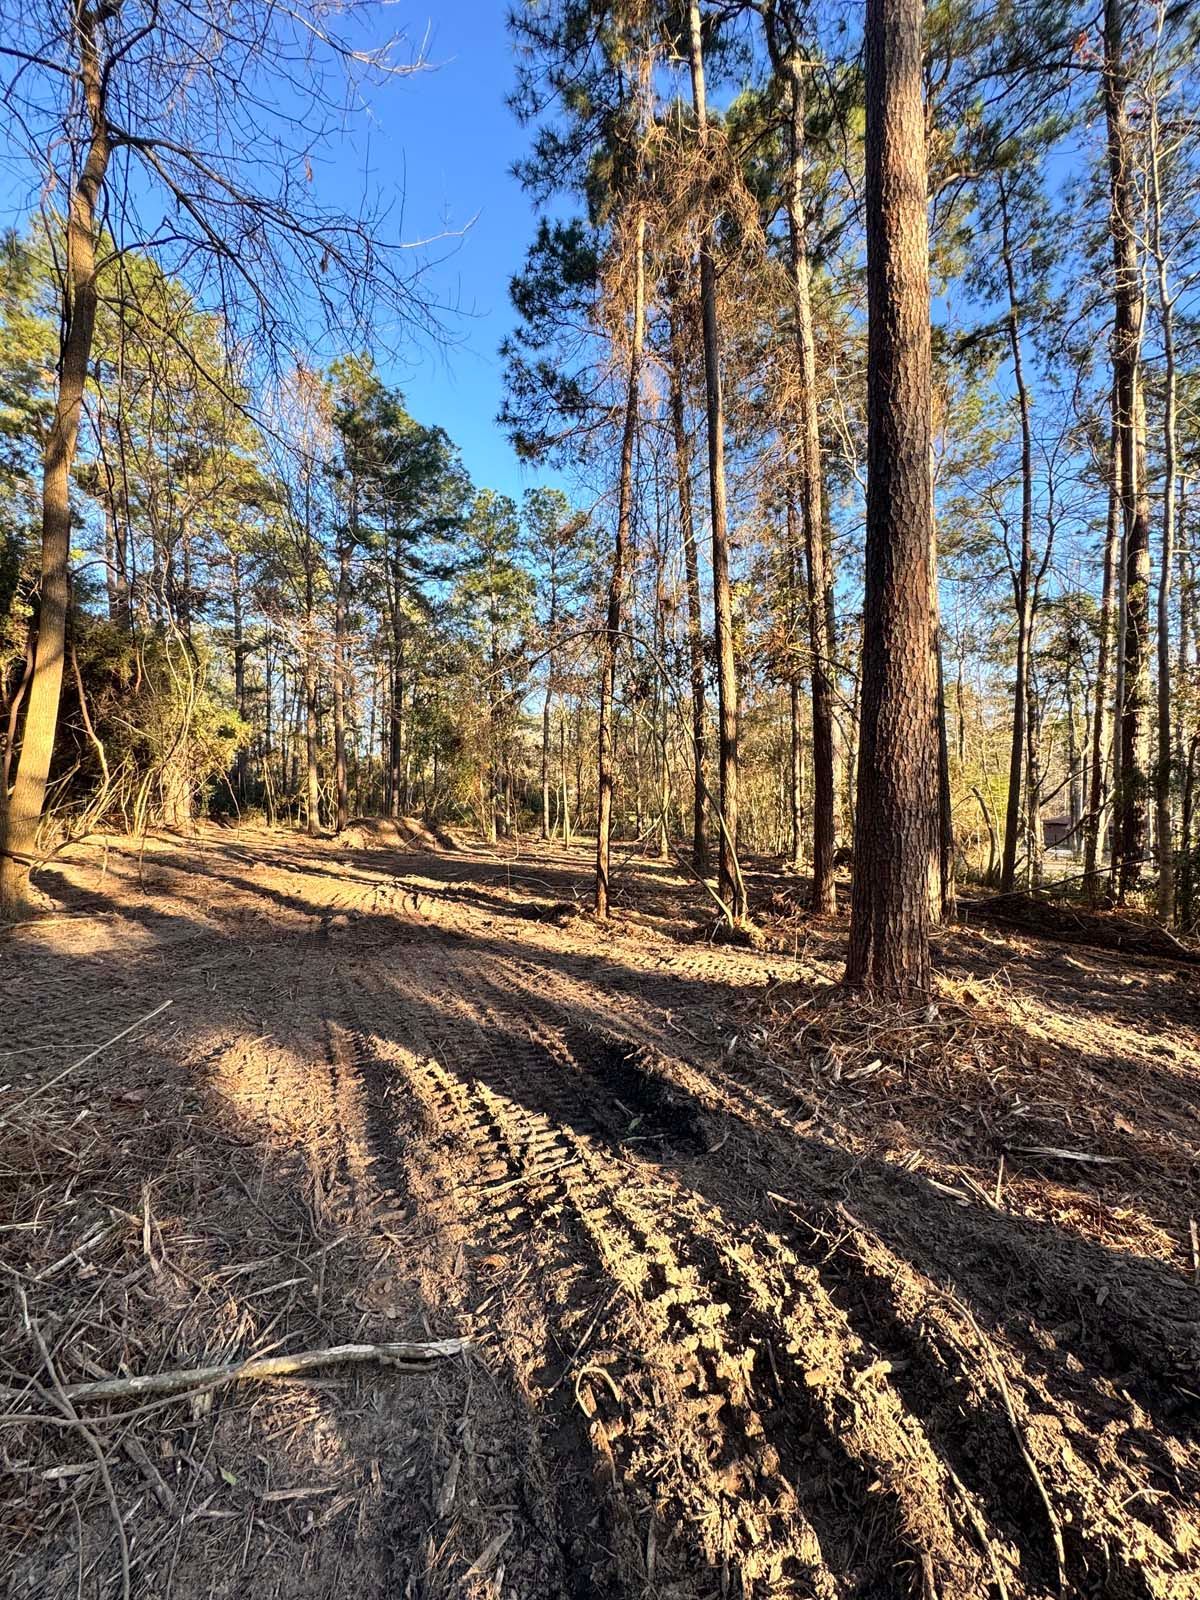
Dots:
{"x": 660, "y": 712}
{"x": 546, "y": 761}
{"x": 21, "y": 815}
{"x": 396, "y": 698}
{"x": 340, "y": 675}
{"x": 795, "y": 776}
{"x": 1035, "y": 870}
{"x": 1096, "y": 796}
{"x": 241, "y": 760}
{"x": 896, "y": 811}
{"x": 730, "y": 885}
{"x": 820, "y": 588}
{"x": 683, "y": 473}
{"x": 635, "y": 727}
{"x": 947, "y": 896}
{"x": 1022, "y": 574}
{"x": 1133, "y": 791}
{"x": 1164, "y": 759}
{"x": 616, "y": 586}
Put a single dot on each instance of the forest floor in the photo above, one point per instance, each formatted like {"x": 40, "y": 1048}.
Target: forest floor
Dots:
{"x": 770, "y": 1293}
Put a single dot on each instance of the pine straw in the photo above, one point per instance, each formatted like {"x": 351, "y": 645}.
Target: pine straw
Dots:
{"x": 136, "y": 1235}
{"x": 996, "y": 1094}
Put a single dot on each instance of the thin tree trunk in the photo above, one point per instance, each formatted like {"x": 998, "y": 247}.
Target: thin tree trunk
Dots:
{"x": 546, "y": 760}
{"x": 660, "y": 716}
{"x": 1187, "y": 856}
{"x": 616, "y": 587}
{"x": 687, "y": 522}
{"x": 1033, "y": 788}
{"x": 239, "y": 669}
{"x": 896, "y": 811}
{"x": 1095, "y": 803}
{"x": 396, "y": 698}
{"x": 311, "y": 740}
{"x": 795, "y": 776}
{"x": 1132, "y": 793}
{"x": 824, "y": 898}
{"x": 340, "y": 675}
{"x": 730, "y": 885}
{"x": 20, "y": 817}
{"x": 635, "y": 728}
{"x": 1023, "y": 573}
{"x": 947, "y": 896}
{"x": 1163, "y": 764}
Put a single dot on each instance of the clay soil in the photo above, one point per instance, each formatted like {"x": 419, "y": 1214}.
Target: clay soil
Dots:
{"x": 770, "y": 1293}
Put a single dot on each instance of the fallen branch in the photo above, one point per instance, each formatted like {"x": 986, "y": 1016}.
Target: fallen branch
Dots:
{"x": 406, "y": 1357}
{"x": 82, "y": 1062}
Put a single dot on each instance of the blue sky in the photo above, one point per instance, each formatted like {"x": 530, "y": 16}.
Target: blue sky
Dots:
{"x": 452, "y": 140}
{"x": 435, "y": 149}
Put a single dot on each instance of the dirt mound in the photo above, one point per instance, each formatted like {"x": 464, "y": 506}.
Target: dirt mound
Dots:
{"x": 411, "y": 833}
{"x": 1045, "y": 918}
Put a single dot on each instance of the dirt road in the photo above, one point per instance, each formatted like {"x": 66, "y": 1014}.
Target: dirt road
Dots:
{"x": 407, "y": 1091}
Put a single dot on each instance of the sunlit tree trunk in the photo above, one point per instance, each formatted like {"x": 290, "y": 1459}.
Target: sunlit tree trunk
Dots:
{"x": 340, "y": 685}
{"x": 20, "y": 812}
{"x": 241, "y": 761}
{"x": 819, "y": 583}
{"x": 1022, "y": 572}
{"x": 730, "y": 884}
{"x": 1133, "y": 790}
{"x": 1033, "y": 787}
{"x": 1100, "y": 716}
{"x": 896, "y": 812}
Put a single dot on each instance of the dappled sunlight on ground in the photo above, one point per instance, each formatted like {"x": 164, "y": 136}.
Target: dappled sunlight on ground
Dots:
{"x": 771, "y": 1293}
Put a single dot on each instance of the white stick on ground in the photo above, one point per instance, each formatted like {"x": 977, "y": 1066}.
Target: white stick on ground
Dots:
{"x": 83, "y": 1060}
{"x": 407, "y": 1357}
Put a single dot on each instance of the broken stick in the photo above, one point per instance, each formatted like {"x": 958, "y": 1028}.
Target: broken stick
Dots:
{"x": 407, "y": 1357}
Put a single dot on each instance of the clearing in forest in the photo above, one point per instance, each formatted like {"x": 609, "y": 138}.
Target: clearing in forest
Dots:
{"x": 767, "y": 1294}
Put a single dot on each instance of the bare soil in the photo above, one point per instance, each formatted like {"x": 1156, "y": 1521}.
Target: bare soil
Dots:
{"x": 772, "y": 1293}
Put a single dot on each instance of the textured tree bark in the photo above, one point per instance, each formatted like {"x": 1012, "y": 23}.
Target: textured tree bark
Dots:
{"x": 1164, "y": 759}
{"x": 1035, "y": 868}
{"x": 20, "y": 817}
{"x": 896, "y": 811}
{"x": 1132, "y": 793}
{"x": 1096, "y": 797}
{"x": 616, "y": 585}
{"x": 729, "y": 877}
